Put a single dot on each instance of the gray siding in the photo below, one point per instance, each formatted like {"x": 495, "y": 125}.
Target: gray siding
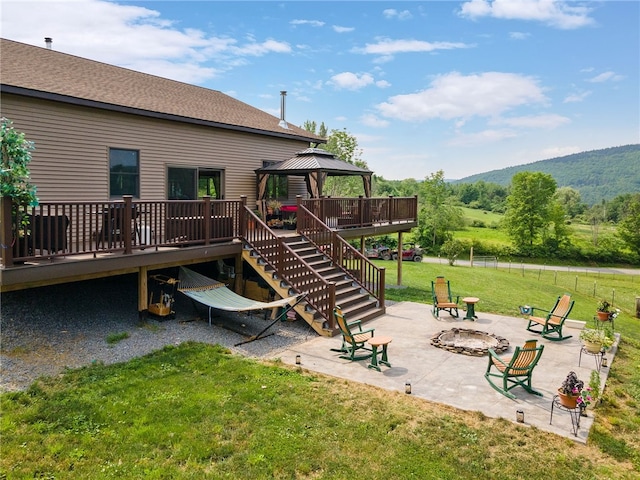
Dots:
{"x": 70, "y": 162}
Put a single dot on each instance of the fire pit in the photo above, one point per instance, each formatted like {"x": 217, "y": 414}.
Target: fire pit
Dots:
{"x": 469, "y": 342}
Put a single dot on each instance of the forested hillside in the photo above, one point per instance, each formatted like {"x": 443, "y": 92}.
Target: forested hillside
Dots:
{"x": 598, "y": 175}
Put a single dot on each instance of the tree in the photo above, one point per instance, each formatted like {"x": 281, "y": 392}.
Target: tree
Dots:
{"x": 451, "y": 249}
{"x": 14, "y": 169}
{"x": 529, "y": 208}
{"x": 14, "y": 172}
{"x": 311, "y": 126}
{"x": 629, "y": 227}
{"x": 570, "y": 199}
{"x": 344, "y": 146}
{"x": 437, "y": 218}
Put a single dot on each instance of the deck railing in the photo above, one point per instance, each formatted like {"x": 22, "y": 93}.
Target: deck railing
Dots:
{"x": 361, "y": 211}
{"x": 56, "y": 229}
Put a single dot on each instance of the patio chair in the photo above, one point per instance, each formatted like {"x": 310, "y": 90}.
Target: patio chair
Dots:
{"x": 442, "y": 299}
{"x": 513, "y": 371}
{"x": 48, "y": 232}
{"x": 354, "y": 337}
{"x": 550, "y": 325}
{"x": 113, "y": 226}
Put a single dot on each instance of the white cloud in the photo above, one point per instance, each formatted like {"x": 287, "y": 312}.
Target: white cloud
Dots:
{"x": 339, "y": 29}
{"x": 392, "y": 13}
{"x": 576, "y": 97}
{"x": 382, "y": 84}
{"x": 371, "y": 120}
{"x": 455, "y": 96}
{"x": 130, "y": 36}
{"x": 519, "y": 35}
{"x": 390, "y": 47}
{"x": 605, "y": 77}
{"x": 350, "y": 81}
{"x": 259, "y": 49}
{"x": 313, "y": 23}
{"x": 555, "y": 13}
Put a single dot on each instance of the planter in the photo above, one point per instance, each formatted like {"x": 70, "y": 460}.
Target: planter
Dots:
{"x": 603, "y": 316}
{"x": 567, "y": 401}
{"x": 592, "y": 347}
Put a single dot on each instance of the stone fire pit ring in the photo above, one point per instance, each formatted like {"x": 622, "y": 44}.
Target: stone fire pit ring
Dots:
{"x": 469, "y": 342}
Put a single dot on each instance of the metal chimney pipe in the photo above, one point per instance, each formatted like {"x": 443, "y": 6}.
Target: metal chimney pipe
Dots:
{"x": 48, "y": 41}
{"x": 283, "y": 122}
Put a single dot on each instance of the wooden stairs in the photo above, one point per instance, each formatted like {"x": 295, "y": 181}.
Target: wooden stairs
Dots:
{"x": 356, "y": 302}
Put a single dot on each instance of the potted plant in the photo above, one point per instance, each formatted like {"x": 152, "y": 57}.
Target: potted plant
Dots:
{"x": 596, "y": 340}
{"x": 290, "y": 223}
{"x": 570, "y": 390}
{"x": 604, "y": 310}
{"x": 273, "y": 207}
{"x": 14, "y": 185}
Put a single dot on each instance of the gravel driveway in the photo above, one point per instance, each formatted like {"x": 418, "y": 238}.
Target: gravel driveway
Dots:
{"x": 45, "y": 330}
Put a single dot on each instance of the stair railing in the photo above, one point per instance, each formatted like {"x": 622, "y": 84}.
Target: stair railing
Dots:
{"x": 350, "y": 260}
{"x": 288, "y": 266}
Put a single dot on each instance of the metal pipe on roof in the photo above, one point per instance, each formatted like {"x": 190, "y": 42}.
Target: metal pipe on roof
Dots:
{"x": 283, "y": 122}
{"x": 48, "y": 41}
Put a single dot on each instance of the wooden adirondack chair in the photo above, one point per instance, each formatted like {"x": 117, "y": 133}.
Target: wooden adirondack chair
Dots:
{"x": 442, "y": 299}
{"x": 515, "y": 370}
{"x": 354, "y": 337}
{"x": 550, "y": 325}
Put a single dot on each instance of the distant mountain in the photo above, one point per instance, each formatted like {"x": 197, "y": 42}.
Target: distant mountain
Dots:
{"x": 597, "y": 174}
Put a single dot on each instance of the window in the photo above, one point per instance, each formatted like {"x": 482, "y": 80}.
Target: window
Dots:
{"x": 277, "y": 185}
{"x": 182, "y": 183}
{"x": 209, "y": 183}
{"x": 185, "y": 183}
{"x": 124, "y": 172}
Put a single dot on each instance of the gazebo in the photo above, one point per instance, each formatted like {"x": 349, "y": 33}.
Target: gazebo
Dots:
{"x": 315, "y": 165}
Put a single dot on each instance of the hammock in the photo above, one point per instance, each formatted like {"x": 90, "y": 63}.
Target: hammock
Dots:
{"x": 216, "y": 295}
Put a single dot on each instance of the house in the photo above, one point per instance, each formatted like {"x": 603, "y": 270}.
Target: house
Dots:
{"x": 127, "y": 165}
{"x": 102, "y": 131}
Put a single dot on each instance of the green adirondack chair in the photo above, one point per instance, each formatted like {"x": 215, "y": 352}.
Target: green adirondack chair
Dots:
{"x": 550, "y": 325}
{"x": 354, "y": 337}
{"x": 514, "y": 371}
{"x": 442, "y": 299}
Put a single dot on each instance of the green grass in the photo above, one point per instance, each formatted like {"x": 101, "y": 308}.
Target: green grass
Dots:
{"x": 114, "y": 338}
{"x": 581, "y": 234}
{"x": 197, "y": 411}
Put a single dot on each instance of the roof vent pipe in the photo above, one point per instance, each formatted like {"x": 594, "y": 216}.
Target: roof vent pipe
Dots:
{"x": 48, "y": 41}
{"x": 283, "y": 122}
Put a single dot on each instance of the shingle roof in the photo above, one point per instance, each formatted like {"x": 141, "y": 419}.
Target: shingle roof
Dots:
{"x": 46, "y": 73}
{"x": 313, "y": 159}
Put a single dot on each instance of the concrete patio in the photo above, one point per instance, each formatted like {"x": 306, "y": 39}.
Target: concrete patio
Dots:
{"x": 455, "y": 379}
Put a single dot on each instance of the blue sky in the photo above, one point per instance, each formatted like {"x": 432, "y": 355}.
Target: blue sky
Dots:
{"x": 463, "y": 87}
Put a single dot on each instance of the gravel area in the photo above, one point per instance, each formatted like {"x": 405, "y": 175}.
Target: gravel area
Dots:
{"x": 44, "y": 331}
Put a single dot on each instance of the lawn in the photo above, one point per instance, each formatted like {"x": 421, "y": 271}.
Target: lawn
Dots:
{"x": 197, "y": 411}
{"x": 492, "y": 234}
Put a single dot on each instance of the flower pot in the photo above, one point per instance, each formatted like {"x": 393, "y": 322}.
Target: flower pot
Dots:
{"x": 592, "y": 347}
{"x": 567, "y": 401}
{"x": 603, "y": 316}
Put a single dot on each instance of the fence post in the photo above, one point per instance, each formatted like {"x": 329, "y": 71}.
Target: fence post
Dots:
{"x": 242, "y": 217}
{"x": 126, "y": 227}
{"x": 207, "y": 219}
{"x": 6, "y": 237}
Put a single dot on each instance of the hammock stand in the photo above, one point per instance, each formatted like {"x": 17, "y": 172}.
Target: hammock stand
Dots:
{"x": 216, "y": 295}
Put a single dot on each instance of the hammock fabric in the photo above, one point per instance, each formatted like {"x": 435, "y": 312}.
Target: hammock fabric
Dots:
{"x": 216, "y": 295}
